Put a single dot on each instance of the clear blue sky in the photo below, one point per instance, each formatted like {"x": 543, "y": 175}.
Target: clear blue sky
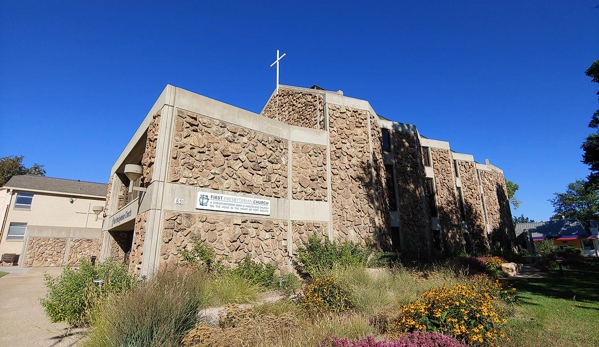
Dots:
{"x": 502, "y": 80}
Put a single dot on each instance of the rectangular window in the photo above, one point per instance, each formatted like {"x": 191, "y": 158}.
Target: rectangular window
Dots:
{"x": 429, "y": 190}
{"x": 16, "y": 231}
{"x": 23, "y": 200}
{"x": 386, "y": 140}
{"x": 456, "y": 168}
{"x": 426, "y": 156}
{"x": 461, "y": 204}
{"x": 390, "y": 187}
{"x": 588, "y": 244}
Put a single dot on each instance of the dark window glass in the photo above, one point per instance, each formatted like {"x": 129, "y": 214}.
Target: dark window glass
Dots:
{"x": 386, "y": 140}
{"x": 426, "y": 156}
{"x": 16, "y": 231}
{"x": 23, "y": 200}
{"x": 429, "y": 190}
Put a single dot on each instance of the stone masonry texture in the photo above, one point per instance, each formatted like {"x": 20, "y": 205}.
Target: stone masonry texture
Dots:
{"x": 45, "y": 252}
{"x": 213, "y": 154}
{"x": 302, "y": 230}
{"x": 413, "y": 218}
{"x": 498, "y": 211}
{"x": 446, "y": 198}
{"x": 300, "y": 108}
{"x": 139, "y": 235}
{"x": 351, "y": 176}
{"x": 149, "y": 156}
{"x": 83, "y": 249}
{"x": 309, "y": 169}
{"x": 380, "y": 193}
{"x": 231, "y": 237}
{"x": 475, "y": 220}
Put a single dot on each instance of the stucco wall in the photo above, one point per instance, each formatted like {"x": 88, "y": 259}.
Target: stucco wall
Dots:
{"x": 214, "y": 154}
{"x": 295, "y": 107}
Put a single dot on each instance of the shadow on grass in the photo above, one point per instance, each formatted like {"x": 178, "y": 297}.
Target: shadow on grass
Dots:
{"x": 576, "y": 284}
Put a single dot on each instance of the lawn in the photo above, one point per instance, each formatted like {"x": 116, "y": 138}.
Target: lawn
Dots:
{"x": 2, "y": 273}
{"x": 558, "y": 310}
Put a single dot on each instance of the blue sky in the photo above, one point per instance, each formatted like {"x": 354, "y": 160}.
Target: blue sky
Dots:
{"x": 502, "y": 80}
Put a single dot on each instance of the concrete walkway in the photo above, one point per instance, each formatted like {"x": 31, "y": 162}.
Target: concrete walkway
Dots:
{"x": 23, "y": 321}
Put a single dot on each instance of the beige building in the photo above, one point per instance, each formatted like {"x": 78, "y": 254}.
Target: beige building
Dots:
{"x": 50, "y": 221}
{"x": 312, "y": 161}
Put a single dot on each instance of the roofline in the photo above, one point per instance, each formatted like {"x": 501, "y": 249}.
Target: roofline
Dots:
{"x": 53, "y": 192}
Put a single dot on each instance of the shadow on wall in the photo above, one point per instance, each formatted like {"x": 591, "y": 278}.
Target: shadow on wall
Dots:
{"x": 504, "y": 234}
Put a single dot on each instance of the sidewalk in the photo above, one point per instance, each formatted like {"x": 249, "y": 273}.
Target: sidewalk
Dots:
{"x": 23, "y": 322}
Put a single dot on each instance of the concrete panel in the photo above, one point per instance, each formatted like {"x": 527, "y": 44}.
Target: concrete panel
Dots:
{"x": 462, "y": 156}
{"x": 429, "y": 172}
{"x": 310, "y": 210}
{"x": 434, "y": 143}
{"x": 63, "y": 232}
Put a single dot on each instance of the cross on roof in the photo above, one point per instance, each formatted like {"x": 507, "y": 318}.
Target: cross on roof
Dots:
{"x": 277, "y": 63}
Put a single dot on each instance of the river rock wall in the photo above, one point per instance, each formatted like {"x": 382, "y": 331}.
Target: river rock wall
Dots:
{"x": 300, "y": 108}
{"x": 309, "y": 172}
{"x": 446, "y": 198}
{"x": 475, "y": 218}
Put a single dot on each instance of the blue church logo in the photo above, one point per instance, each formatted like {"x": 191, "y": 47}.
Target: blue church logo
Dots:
{"x": 204, "y": 199}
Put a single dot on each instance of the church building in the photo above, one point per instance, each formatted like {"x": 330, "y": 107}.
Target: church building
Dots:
{"x": 313, "y": 161}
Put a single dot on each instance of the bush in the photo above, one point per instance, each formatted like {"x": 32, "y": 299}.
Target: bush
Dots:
{"x": 201, "y": 256}
{"x": 324, "y": 294}
{"x": 545, "y": 247}
{"x": 257, "y": 273}
{"x": 156, "y": 313}
{"x": 73, "y": 295}
{"x": 470, "y": 312}
{"x": 415, "y": 339}
{"x": 319, "y": 254}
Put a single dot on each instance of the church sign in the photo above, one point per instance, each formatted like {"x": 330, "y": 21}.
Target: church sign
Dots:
{"x": 230, "y": 203}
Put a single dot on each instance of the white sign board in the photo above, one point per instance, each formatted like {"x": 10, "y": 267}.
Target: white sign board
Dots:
{"x": 229, "y": 203}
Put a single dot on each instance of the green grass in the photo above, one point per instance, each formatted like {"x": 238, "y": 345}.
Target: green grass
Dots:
{"x": 558, "y": 310}
{"x": 2, "y": 273}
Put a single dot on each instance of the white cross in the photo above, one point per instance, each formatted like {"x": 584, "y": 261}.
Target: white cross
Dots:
{"x": 87, "y": 213}
{"x": 277, "y": 63}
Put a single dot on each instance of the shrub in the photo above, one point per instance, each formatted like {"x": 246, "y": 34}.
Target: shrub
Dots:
{"x": 324, "y": 294}
{"x": 545, "y": 247}
{"x": 200, "y": 255}
{"x": 319, "y": 254}
{"x": 229, "y": 288}
{"x": 73, "y": 295}
{"x": 470, "y": 312}
{"x": 415, "y": 339}
{"x": 156, "y": 313}
{"x": 257, "y": 273}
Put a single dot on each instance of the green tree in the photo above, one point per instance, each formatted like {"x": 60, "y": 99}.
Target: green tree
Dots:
{"x": 581, "y": 201}
{"x": 511, "y": 193}
{"x": 13, "y": 166}
{"x": 522, "y": 219}
{"x": 591, "y": 145}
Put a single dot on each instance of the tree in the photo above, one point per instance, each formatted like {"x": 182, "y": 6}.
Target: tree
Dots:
{"x": 511, "y": 193}
{"x": 591, "y": 145}
{"x": 13, "y": 166}
{"x": 522, "y": 219}
{"x": 580, "y": 201}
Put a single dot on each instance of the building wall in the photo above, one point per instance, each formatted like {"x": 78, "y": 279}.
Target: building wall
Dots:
{"x": 497, "y": 206}
{"x": 448, "y": 207}
{"x": 299, "y": 107}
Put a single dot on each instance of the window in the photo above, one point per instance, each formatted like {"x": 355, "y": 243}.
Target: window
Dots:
{"x": 390, "y": 187}
{"x": 23, "y": 200}
{"x": 461, "y": 204}
{"x": 588, "y": 244}
{"x": 429, "y": 191}
{"x": 16, "y": 231}
{"x": 386, "y": 140}
{"x": 456, "y": 168}
{"x": 426, "y": 156}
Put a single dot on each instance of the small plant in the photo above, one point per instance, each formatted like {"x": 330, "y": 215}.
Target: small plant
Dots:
{"x": 325, "y": 294}
{"x": 200, "y": 255}
{"x": 73, "y": 295}
{"x": 156, "y": 313}
{"x": 257, "y": 273}
{"x": 319, "y": 254}
{"x": 545, "y": 247}
{"x": 470, "y": 312}
{"x": 415, "y": 339}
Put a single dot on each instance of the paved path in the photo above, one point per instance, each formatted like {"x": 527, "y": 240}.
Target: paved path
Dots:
{"x": 529, "y": 271}
{"x": 23, "y": 322}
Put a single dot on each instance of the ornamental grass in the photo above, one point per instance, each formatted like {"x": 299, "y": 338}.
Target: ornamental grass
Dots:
{"x": 473, "y": 312}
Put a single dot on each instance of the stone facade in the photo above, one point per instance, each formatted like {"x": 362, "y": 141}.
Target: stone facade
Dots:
{"x": 448, "y": 207}
{"x": 213, "y": 154}
{"x": 381, "y": 199}
{"x": 120, "y": 243}
{"x": 497, "y": 206}
{"x": 414, "y": 220}
{"x": 83, "y": 249}
{"x": 232, "y": 237}
{"x": 300, "y": 108}
{"x": 302, "y": 230}
{"x": 139, "y": 235}
{"x": 45, "y": 252}
{"x": 351, "y": 176}
{"x": 309, "y": 172}
{"x": 149, "y": 155}
{"x": 475, "y": 219}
